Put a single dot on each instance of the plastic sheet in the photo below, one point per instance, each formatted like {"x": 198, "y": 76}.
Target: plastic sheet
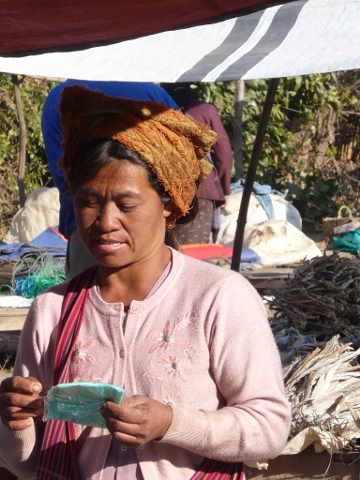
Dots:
{"x": 348, "y": 242}
{"x": 80, "y": 402}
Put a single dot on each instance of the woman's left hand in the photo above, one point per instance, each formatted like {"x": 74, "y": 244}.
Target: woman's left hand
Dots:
{"x": 137, "y": 420}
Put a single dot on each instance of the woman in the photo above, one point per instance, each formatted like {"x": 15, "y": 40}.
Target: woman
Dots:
{"x": 77, "y": 258}
{"x": 189, "y": 341}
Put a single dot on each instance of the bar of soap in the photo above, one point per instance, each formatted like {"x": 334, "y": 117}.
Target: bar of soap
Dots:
{"x": 80, "y": 402}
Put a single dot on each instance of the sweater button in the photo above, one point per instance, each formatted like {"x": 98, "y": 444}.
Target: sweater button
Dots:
{"x": 135, "y": 309}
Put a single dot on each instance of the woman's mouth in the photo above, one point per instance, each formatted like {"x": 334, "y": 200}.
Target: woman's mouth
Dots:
{"x": 113, "y": 243}
{"x": 109, "y": 245}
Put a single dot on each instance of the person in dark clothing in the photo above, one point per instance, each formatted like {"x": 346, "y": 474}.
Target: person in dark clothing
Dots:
{"x": 213, "y": 192}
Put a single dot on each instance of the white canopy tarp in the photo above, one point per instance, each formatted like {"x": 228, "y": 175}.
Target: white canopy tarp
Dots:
{"x": 296, "y": 38}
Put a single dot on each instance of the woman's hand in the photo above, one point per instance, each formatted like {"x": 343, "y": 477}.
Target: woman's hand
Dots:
{"x": 20, "y": 402}
{"x": 137, "y": 420}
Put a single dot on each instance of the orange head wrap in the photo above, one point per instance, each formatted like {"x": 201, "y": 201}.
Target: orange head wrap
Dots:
{"x": 172, "y": 144}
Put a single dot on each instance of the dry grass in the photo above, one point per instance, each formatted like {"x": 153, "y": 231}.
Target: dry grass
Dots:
{"x": 6, "y": 367}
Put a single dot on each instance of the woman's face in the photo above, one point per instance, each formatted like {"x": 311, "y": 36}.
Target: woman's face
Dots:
{"x": 120, "y": 218}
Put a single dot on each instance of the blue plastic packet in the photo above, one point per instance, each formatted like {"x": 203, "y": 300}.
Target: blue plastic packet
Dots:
{"x": 81, "y": 402}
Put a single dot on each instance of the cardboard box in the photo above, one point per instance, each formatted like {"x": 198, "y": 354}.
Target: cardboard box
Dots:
{"x": 309, "y": 465}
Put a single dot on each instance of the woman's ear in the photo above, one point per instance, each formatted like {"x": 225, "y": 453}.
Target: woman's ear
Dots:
{"x": 168, "y": 209}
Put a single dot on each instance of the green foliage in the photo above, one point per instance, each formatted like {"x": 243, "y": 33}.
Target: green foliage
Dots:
{"x": 290, "y": 157}
{"x": 313, "y": 195}
{"x": 33, "y": 93}
{"x": 303, "y": 96}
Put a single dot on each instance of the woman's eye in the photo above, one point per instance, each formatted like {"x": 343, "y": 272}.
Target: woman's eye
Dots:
{"x": 127, "y": 208}
{"x": 87, "y": 202}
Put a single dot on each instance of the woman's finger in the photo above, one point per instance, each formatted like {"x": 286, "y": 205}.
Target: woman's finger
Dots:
{"x": 17, "y": 424}
{"x": 17, "y": 406}
{"x": 26, "y": 385}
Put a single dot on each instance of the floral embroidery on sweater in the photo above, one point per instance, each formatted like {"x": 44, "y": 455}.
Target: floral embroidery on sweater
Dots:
{"x": 174, "y": 366}
{"x": 170, "y": 358}
{"x": 82, "y": 361}
{"x": 165, "y": 338}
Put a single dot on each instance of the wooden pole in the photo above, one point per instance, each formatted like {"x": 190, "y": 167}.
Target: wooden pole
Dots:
{"x": 22, "y": 148}
{"x": 251, "y": 173}
{"x": 237, "y": 132}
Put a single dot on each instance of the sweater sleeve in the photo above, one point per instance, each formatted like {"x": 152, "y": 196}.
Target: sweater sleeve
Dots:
{"x": 19, "y": 451}
{"x": 255, "y": 421}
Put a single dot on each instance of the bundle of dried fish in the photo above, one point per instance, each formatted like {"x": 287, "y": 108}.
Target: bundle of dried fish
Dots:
{"x": 320, "y": 301}
{"x": 324, "y": 391}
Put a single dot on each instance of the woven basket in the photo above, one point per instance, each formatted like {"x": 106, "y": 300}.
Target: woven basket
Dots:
{"x": 329, "y": 223}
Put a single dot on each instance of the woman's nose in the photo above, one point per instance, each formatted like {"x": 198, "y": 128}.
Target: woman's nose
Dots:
{"x": 108, "y": 218}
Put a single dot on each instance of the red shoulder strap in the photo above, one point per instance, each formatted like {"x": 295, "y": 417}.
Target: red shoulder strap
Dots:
{"x": 58, "y": 451}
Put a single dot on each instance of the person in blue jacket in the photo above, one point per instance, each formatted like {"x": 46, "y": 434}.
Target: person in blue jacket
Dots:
{"x": 77, "y": 257}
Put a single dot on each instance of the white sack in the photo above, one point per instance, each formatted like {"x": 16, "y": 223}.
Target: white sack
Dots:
{"x": 41, "y": 210}
{"x": 276, "y": 242}
{"x": 283, "y": 210}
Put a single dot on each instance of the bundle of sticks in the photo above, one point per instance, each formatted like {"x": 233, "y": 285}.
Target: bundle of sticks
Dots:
{"x": 316, "y": 325}
{"x": 320, "y": 301}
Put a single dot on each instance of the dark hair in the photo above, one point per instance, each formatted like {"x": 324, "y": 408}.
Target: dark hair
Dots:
{"x": 100, "y": 152}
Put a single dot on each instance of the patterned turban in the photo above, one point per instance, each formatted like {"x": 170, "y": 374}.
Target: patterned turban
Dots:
{"x": 172, "y": 144}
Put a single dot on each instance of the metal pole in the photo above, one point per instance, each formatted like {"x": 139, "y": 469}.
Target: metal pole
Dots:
{"x": 251, "y": 173}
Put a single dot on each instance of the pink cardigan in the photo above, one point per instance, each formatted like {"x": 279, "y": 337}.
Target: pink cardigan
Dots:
{"x": 202, "y": 341}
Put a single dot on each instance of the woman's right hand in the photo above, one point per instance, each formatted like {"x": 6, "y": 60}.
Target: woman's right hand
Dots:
{"x": 20, "y": 402}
